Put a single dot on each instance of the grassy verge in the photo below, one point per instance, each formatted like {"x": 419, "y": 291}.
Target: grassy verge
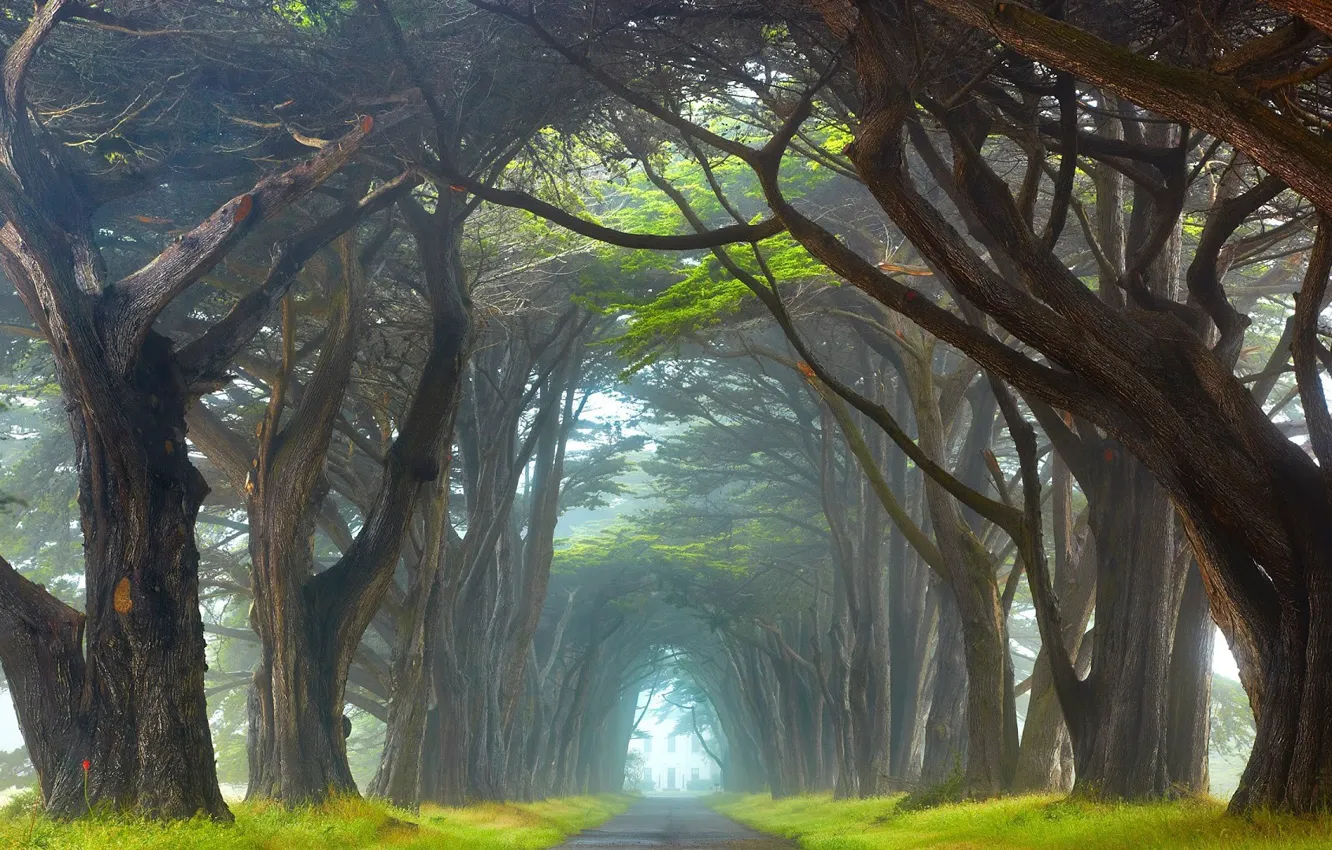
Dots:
{"x": 819, "y": 823}
{"x": 345, "y": 824}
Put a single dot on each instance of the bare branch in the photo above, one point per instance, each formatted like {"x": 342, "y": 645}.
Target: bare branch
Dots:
{"x": 19, "y": 57}
{"x": 136, "y": 300}
{"x": 204, "y": 359}
{"x": 1304, "y": 345}
{"x": 1209, "y": 101}
{"x": 684, "y": 242}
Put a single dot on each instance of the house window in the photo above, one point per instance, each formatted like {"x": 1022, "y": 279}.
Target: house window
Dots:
{"x": 670, "y": 779}
{"x": 670, "y": 744}
{"x": 693, "y": 744}
{"x": 693, "y": 774}
{"x": 647, "y": 746}
{"x": 647, "y": 776}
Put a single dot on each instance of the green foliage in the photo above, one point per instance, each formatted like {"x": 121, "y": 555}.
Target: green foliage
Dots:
{"x": 667, "y": 298}
{"x": 42, "y": 536}
{"x": 313, "y": 13}
{"x": 15, "y": 767}
{"x": 345, "y": 823}
{"x": 1025, "y": 823}
{"x": 633, "y": 769}
{"x": 21, "y": 804}
{"x": 1232, "y": 730}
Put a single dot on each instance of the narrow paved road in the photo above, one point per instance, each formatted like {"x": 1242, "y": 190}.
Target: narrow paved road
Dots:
{"x": 682, "y": 822}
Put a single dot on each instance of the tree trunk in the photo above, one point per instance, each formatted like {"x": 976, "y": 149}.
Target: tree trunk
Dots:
{"x": 1042, "y": 762}
{"x": 1121, "y": 745}
{"x": 141, "y": 725}
{"x": 946, "y": 729}
{"x": 908, "y": 633}
{"x": 297, "y": 746}
{"x": 1189, "y": 726}
{"x": 309, "y": 624}
{"x": 1291, "y": 761}
{"x": 1255, "y": 506}
{"x": 134, "y": 710}
{"x": 398, "y": 778}
{"x": 448, "y": 732}
{"x": 991, "y": 726}
{"x": 1040, "y": 767}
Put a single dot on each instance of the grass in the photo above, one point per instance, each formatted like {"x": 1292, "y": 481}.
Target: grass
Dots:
{"x": 343, "y": 824}
{"x": 820, "y": 823}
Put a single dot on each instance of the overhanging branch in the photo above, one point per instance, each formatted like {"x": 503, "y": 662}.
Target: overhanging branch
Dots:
{"x": 135, "y": 301}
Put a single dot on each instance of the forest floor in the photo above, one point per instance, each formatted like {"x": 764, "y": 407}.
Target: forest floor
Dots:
{"x": 1030, "y": 822}
{"x": 346, "y": 824}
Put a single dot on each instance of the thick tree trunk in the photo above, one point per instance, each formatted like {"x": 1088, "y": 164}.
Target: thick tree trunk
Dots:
{"x": 991, "y": 724}
{"x": 1284, "y": 648}
{"x": 1121, "y": 745}
{"x": 134, "y": 710}
{"x": 1040, "y": 764}
{"x": 41, "y": 648}
{"x": 1255, "y": 506}
{"x": 1189, "y": 726}
{"x": 297, "y": 747}
{"x": 398, "y": 778}
{"x": 946, "y": 729}
{"x": 298, "y": 750}
{"x": 150, "y": 723}
{"x": 142, "y": 720}
{"x": 1291, "y": 762}
{"x": 445, "y": 758}
{"x": 860, "y": 690}
{"x": 310, "y": 625}
{"x": 844, "y": 744}
{"x": 908, "y": 639}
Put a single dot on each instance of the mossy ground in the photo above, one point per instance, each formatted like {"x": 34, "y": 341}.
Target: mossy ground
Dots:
{"x": 343, "y": 824}
{"x": 819, "y": 823}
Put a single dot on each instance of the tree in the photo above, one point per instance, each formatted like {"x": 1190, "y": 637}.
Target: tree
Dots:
{"x": 310, "y": 625}
{"x": 1195, "y": 426}
{"x": 130, "y": 706}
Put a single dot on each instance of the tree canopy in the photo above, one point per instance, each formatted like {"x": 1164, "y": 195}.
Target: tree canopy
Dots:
{"x": 397, "y": 391}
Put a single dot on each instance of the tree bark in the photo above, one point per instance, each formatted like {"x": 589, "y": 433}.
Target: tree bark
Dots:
{"x": 131, "y": 704}
{"x": 1122, "y": 750}
{"x": 908, "y": 636}
{"x": 991, "y": 744}
{"x": 141, "y": 721}
{"x": 946, "y": 730}
{"x": 1042, "y": 762}
{"x": 398, "y": 778}
{"x": 1190, "y": 689}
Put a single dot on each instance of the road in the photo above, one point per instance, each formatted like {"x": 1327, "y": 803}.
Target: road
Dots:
{"x": 678, "y": 822}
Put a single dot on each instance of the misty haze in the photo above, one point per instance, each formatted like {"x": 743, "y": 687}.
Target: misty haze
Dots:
{"x": 758, "y": 424}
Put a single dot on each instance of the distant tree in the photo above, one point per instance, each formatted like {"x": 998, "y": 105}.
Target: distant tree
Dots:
{"x": 635, "y": 766}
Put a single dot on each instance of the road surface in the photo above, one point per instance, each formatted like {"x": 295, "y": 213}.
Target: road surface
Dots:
{"x": 677, "y": 822}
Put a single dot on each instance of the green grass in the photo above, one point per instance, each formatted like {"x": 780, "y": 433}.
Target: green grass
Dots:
{"x": 343, "y": 824}
{"x": 820, "y": 823}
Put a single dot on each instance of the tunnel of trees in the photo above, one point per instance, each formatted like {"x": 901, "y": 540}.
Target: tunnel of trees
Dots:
{"x": 398, "y": 392}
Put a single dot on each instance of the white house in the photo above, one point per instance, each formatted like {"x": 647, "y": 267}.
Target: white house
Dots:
{"x": 673, "y": 762}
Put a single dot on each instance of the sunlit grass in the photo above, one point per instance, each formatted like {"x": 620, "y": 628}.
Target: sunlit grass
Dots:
{"x": 819, "y": 823}
{"x": 343, "y": 824}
